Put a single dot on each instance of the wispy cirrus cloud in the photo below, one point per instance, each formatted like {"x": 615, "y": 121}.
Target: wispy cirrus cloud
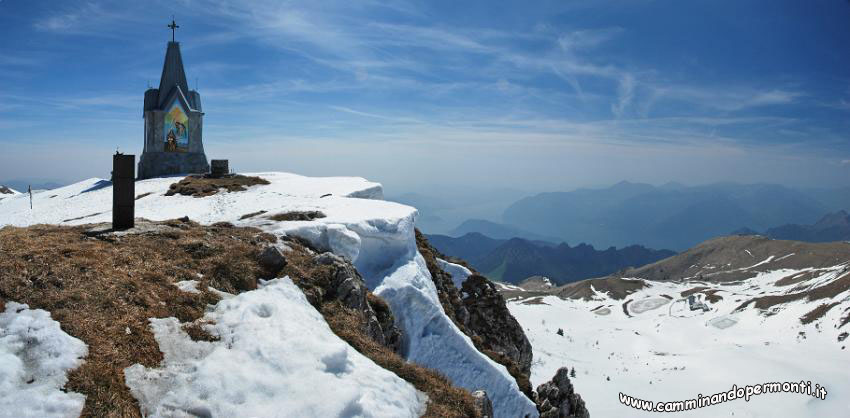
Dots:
{"x": 89, "y": 18}
{"x": 530, "y": 78}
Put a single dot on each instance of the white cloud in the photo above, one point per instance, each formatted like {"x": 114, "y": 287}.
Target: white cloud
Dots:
{"x": 86, "y": 18}
{"x": 626, "y": 93}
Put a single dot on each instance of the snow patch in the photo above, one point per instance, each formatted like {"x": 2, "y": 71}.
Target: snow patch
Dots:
{"x": 189, "y": 286}
{"x": 507, "y": 286}
{"x": 458, "y": 272}
{"x": 35, "y": 357}
{"x": 648, "y": 304}
{"x": 276, "y": 354}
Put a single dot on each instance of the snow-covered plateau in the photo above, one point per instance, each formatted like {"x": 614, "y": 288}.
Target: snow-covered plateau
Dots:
{"x": 376, "y": 235}
{"x": 650, "y": 345}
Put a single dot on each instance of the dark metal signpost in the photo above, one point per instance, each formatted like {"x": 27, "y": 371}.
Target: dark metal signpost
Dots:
{"x": 123, "y": 191}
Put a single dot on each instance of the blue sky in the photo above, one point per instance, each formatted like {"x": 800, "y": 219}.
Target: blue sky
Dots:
{"x": 534, "y": 95}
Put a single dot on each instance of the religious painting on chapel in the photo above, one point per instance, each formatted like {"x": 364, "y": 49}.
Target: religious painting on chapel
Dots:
{"x": 176, "y": 129}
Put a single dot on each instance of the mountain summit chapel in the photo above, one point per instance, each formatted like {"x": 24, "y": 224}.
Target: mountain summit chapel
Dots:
{"x": 173, "y": 122}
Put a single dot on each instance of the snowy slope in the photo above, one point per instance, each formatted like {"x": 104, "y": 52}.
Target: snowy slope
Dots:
{"x": 35, "y": 357}
{"x": 276, "y": 357}
{"x": 662, "y": 351}
{"x": 378, "y": 237}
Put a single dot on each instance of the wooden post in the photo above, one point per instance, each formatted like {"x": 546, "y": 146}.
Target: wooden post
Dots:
{"x": 123, "y": 191}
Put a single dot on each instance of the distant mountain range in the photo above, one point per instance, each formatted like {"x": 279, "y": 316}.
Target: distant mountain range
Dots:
{"x": 832, "y": 227}
{"x": 513, "y": 260}
{"x": 669, "y": 216}
{"x": 498, "y": 231}
{"x": 37, "y": 184}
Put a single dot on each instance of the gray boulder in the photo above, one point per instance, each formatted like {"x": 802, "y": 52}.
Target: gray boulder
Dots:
{"x": 272, "y": 260}
{"x": 345, "y": 285}
{"x": 557, "y": 398}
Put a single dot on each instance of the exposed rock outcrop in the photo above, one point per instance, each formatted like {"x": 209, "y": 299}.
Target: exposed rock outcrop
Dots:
{"x": 483, "y": 404}
{"x": 489, "y": 316}
{"x": 341, "y": 281}
{"x": 366, "y": 322}
{"x": 272, "y": 260}
{"x": 483, "y": 316}
{"x": 557, "y": 398}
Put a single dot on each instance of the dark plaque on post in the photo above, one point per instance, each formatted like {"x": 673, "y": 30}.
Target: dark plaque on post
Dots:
{"x": 219, "y": 168}
{"x": 123, "y": 191}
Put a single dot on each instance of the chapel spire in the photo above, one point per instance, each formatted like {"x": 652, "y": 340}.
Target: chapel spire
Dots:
{"x": 173, "y": 74}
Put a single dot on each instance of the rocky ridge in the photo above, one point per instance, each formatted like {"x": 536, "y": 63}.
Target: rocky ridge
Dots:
{"x": 483, "y": 316}
{"x": 557, "y": 398}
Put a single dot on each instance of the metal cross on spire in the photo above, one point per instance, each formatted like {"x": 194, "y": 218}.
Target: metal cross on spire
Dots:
{"x": 173, "y": 27}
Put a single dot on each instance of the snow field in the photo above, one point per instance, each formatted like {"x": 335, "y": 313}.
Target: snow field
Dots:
{"x": 658, "y": 357}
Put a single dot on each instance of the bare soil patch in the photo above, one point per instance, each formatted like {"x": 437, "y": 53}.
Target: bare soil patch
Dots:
{"x": 198, "y": 185}
{"x": 297, "y": 216}
{"x": 817, "y": 313}
{"x": 710, "y": 294}
{"x": 251, "y": 215}
{"x": 617, "y": 288}
{"x": 795, "y": 278}
{"x": 82, "y": 217}
{"x": 826, "y": 291}
{"x": 535, "y": 301}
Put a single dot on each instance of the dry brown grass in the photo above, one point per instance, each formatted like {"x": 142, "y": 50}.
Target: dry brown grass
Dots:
{"x": 817, "y": 313}
{"x": 82, "y": 217}
{"x": 693, "y": 290}
{"x": 534, "y": 301}
{"x": 297, "y": 216}
{"x": 251, "y": 215}
{"x": 201, "y": 185}
{"x": 444, "y": 400}
{"x": 96, "y": 289}
{"x": 827, "y": 291}
{"x": 795, "y": 278}
{"x": 710, "y": 294}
